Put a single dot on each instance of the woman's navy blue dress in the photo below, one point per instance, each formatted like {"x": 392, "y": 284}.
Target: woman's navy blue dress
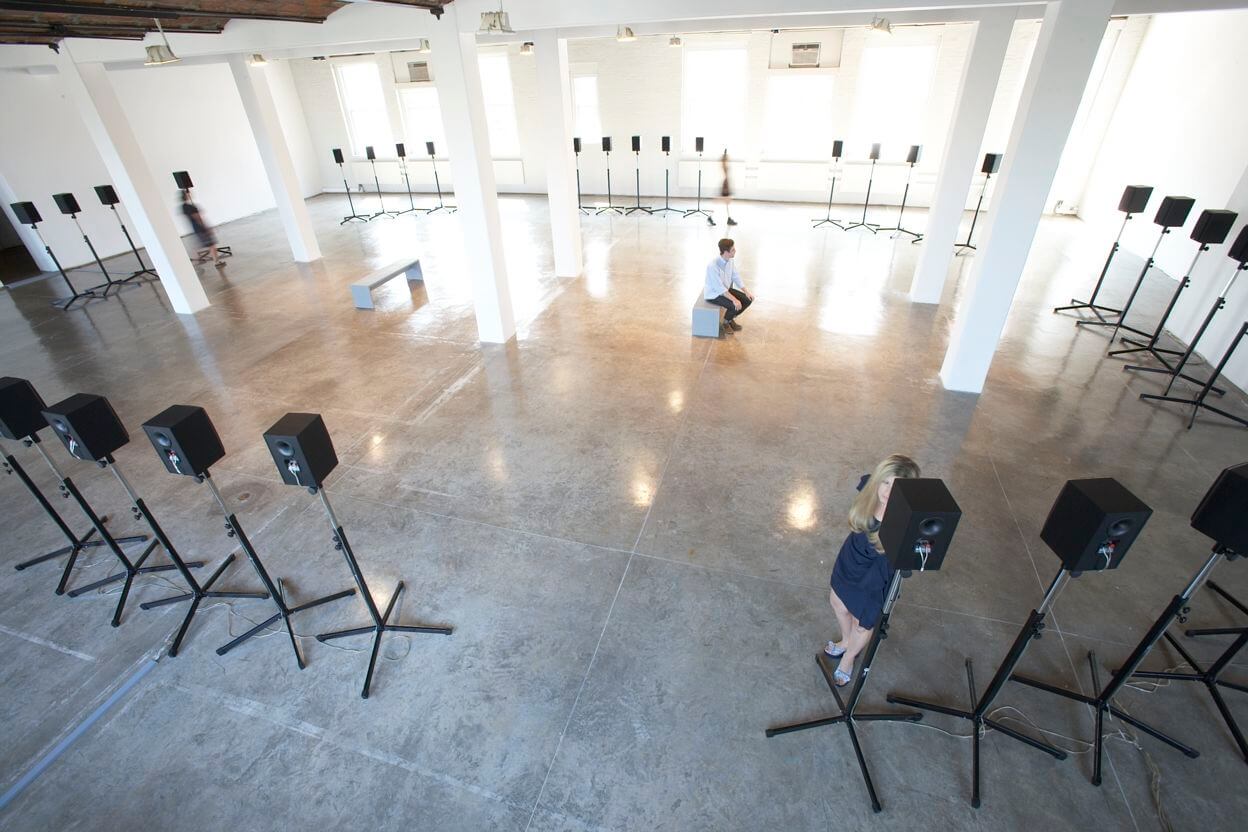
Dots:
{"x": 860, "y": 578}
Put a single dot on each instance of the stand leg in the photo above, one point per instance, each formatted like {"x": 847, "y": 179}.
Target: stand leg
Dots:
{"x": 1199, "y": 402}
{"x": 1090, "y": 304}
{"x": 350, "y": 202}
{"x": 862, "y": 223}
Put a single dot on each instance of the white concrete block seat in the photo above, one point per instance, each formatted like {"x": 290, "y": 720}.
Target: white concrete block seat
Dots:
{"x": 362, "y": 290}
{"x": 707, "y": 318}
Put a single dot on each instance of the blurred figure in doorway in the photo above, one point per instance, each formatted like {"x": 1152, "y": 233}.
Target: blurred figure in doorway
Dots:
{"x": 203, "y": 234}
{"x": 725, "y": 192}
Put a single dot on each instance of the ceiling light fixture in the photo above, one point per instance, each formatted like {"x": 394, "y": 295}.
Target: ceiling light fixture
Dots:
{"x": 258, "y": 60}
{"x": 675, "y": 40}
{"x": 881, "y": 24}
{"x": 160, "y": 54}
{"x": 624, "y": 34}
{"x": 422, "y": 45}
{"x": 496, "y": 23}
{"x": 526, "y": 48}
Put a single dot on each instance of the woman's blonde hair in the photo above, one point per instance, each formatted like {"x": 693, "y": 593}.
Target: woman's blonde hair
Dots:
{"x": 862, "y": 512}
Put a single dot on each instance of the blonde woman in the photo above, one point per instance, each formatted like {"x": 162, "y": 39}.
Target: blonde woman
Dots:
{"x": 862, "y": 574}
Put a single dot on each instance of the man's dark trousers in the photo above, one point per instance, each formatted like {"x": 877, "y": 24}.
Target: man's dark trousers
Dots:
{"x": 723, "y": 301}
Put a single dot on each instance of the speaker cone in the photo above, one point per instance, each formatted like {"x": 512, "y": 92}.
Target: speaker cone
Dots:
{"x": 60, "y": 425}
{"x": 1121, "y": 527}
{"x": 931, "y": 527}
{"x": 163, "y": 440}
{"x": 285, "y": 449}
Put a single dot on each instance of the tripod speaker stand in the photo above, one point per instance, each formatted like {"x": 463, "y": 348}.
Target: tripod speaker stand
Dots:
{"x": 862, "y": 223}
{"x": 1172, "y": 213}
{"x": 917, "y": 527}
{"x": 1199, "y": 402}
{"x": 837, "y": 149}
{"x": 912, "y": 159}
{"x": 69, "y": 205}
{"x": 21, "y": 419}
{"x": 667, "y": 177}
{"x": 1134, "y": 201}
{"x": 304, "y": 454}
{"x": 576, "y": 152}
{"x": 992, "y": 164}
{"x": 401, "y": 152}
{"x": 610, "y": 206}
{"x": 338, "y": 160}
{"x": 108, "y": 196}
{"x": 28, "y": 214}
{"x": 381, "y": 200}
{"x": 637, "y": 174}
{"x": 693, "y": 212}
{"x": 437, "y": 183}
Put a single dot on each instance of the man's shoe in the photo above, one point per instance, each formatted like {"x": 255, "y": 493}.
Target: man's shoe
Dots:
{"x": 710, "y": 220}
{"x": 731, "y": 221}
{"x": 733, "y": 325}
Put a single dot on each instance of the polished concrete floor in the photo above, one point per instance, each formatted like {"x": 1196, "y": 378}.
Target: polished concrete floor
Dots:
{"x": 630, "y": 529}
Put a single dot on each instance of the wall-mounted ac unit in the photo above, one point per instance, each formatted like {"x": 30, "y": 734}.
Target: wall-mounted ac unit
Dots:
{"x": 804, "y": 56}
{"x": 418, "y": 72}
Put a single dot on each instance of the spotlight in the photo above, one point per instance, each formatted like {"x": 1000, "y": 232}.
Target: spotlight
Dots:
{"x": 258, "y": 60}
{"x": 881, "y": 24}
{"x": 624, "y": 34}
{"x": 496, "y": 23}
{"x": 161, "y": 53}
{"x": 675, "y": 40}
{"x": 526, "y": 48}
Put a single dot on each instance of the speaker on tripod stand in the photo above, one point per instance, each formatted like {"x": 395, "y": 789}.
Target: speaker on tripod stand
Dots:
{"x": 108, "y": 197}
{"x": 340, "y": 161}
{"x": 1134, "y": 201}
{"x": 912, "y": 159}
{"x": 699, "y": 145}
{"x": 437, "y": 183}
{"x": 837, "y": 149}
{"x": 28, "y": 214}
{"x": 666, "y": 143}
{"x": 992, "y": 164}
{"x": 371, "y": 155}
{"x": 70, "y": 207}
{"x": 874, "y": 156}
{"x": 400, "y": 152}
{"x": 610, "y": 206}
{"x": 576, "y": 152}
{"x": 637, "y": 174}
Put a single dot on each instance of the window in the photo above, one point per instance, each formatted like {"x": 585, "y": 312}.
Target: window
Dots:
{"x": 500, "y": 106}
{"x": 364, "y": 106}
{"x": 713, "y": 100}
{"x": 891, "y": 98}
{"x": 798, "y": 125}
{"x": 422, "y": 119}
{"x": 586, "y": 122}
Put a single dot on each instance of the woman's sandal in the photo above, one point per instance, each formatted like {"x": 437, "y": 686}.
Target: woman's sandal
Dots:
{"x": 841, "y": 678}
{"x": 830, "y": 649}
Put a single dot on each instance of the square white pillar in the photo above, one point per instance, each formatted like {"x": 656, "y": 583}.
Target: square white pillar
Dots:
{"x": 1069, "y": 39}
{"x": 266, "y": 127}
{"x": 980, "y": 74}
{"x": 554, "y": 115}
{"x": 91, "y": 90}
{"x": 458, "y": 78}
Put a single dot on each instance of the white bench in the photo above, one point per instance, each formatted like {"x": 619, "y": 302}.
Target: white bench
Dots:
{"x": 707, "y": 318}
{"x": 362, "y": 291}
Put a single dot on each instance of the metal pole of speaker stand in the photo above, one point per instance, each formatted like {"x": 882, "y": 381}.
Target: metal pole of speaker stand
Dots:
{"x": 870, "y": 226}
{"x": 637, "y": 174}
{"x": 1091, "y": 304}
{"x": 610, "y": 206}
{"x": 1103, "y": 702}
{"x": 109, "y": 284}
{"x": 380, "y": 624}
{"x": 276, "y": 590}
{"x": 904, "y": 194}
{"x": 1199, "y": 402}
{"x": 441, "y": 206}
{"x": 412, "y": 209}
{"x": 74, "y": 294}
{"x": 698, "y": 210}
{"x": 849, "y": 715}
{"x": 667, "y": 197}
{"x": 76, "y": 543}
{"x": 1177, "y": 372}
{"x": 827, "y": 220}
{"x": 579, "y": 206}
{"x": 1126, "y": 307}
{"x": 143, "y": 269}
{"x": 974, "y": 218}
{"x": 1211, "y": 677}
{"x": 350, "y": 202}
{"x": 198, "y": 593}
{"x": 978, "y": 714}
{"x": 381, "y": 200}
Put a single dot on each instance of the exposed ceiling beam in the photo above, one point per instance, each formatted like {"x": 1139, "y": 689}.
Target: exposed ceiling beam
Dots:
{"x": 149, "y": 12}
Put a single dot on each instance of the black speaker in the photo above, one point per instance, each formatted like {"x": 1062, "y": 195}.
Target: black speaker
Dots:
{"x": 26, "y": 212}
{"x": 636, "y": 144}
{"x": 1135, "y": 199}
{"x": 1093, "y": 523}
{"x": 302, "y": 449}
{"x": 338, "y": 160}
{"x": 67, "y": 204}
{"x": 88, "y": 426}
{"x": 183, "y": 180}
{"x": 1223, "y": 511}
{"x": 1238, "y": 250}
{"x": 606, "y": 144}
{"x": 184, "y": 439}
{"x": 1213, "y": 225}
{"x": 667, "y": 144}
{"x": 429, "y": 148}
{"x": 838, "y": 149}
{"x": 912, "y": 157}
{"x": 21, "y": 409}
{"x": 576, "y": 144}
{"x": 400, "y": 150}
{"x": 1173, "y": 211}
{"x": 107, "y": 195}
{"x": 918, "y": 523}
{"x": 875, "y": 152}
{"x": 698, "y": 144}
{"x": 369, "y": 154}
{"x": 992, "y": 163}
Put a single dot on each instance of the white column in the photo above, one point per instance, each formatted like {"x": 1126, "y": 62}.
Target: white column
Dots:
{"x": 554, "y": 114}
{"x": 266, "y": 127}
{"x": 29, "y": 238}
{"x": 458, "y": 79}
{"x": 980, "y": 74}
{"x": 91, "y": 90}
{"x": 1065, "y": 51}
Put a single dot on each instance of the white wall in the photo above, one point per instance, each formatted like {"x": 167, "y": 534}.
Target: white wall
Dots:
{"x": 1179, "y": 127}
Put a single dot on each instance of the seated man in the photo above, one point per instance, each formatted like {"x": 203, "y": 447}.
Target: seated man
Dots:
{"x": 724, "y": 287}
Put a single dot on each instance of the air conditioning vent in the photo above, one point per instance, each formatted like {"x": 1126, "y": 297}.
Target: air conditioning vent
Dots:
{"x": 804, "y": 55}
{"x": 418, "y": 71}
